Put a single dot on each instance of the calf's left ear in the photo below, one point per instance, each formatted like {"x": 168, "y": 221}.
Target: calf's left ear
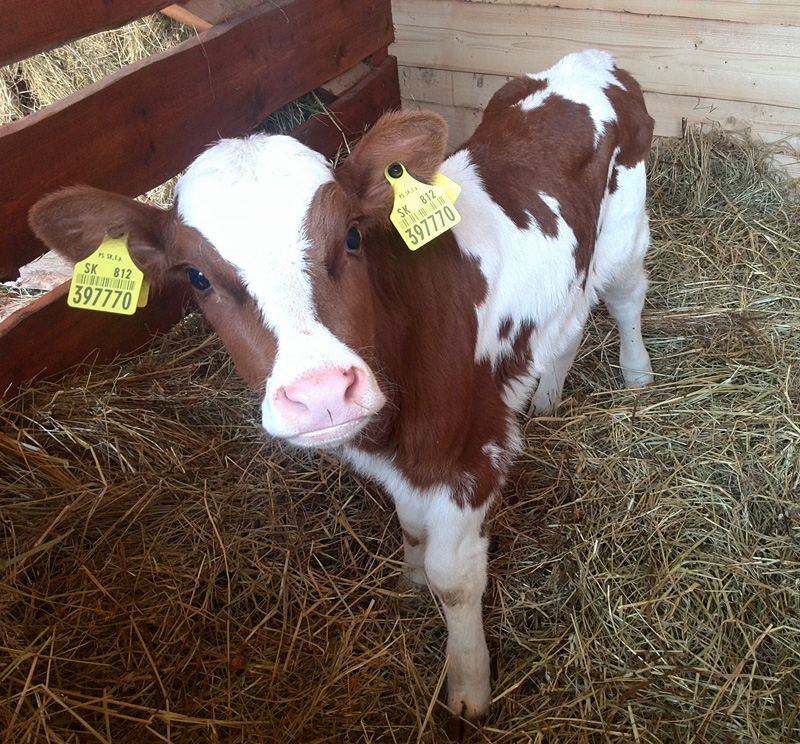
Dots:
{"x": 415, "y": 139}
{"x": 74, "y": 221}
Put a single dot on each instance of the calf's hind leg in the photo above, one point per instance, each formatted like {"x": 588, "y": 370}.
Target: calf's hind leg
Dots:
{"x": 624, "y": 298}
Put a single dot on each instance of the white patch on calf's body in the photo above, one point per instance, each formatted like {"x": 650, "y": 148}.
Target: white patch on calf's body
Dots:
{"x": 531, "y": 276}
{"x": 581, "y": 78}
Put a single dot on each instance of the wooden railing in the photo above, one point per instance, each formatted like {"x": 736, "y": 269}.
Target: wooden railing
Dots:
{"x": 142, "y": 125}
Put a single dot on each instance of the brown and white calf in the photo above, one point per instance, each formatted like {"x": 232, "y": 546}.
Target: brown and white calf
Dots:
{"x": 413, "y": 366}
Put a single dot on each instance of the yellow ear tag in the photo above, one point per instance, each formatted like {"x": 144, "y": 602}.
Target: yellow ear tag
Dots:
{"x": 108, "y": 280}
{"x": 421, "y": 211}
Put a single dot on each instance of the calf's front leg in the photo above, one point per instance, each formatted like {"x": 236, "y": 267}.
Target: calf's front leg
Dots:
{"x": 455, "y": 564}
{"x": 447, "y": 541}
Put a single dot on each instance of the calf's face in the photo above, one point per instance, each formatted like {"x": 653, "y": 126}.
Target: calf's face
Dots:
{"x": 277, "y": 247}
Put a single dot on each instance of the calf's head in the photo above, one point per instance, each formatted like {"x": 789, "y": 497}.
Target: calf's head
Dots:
{"x": 280, "y": 250}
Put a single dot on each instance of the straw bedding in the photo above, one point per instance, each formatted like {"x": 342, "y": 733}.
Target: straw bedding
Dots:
{"x": 169, "y": 575}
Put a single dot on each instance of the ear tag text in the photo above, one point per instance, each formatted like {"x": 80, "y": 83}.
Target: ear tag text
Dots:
{"x": 109, "y": 281}
{"x": 421, "y": 211}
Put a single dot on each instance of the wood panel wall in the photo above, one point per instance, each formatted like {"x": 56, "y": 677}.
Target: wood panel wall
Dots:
{"x": 732, "y": 62}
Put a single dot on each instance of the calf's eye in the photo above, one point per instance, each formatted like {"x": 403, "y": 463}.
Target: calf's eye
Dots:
{"x": 198, "y": 279}
{"x": 353, "y": 240}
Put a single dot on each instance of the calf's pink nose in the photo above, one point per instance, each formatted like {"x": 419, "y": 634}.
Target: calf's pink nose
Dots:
{"x": 323, "y": 398}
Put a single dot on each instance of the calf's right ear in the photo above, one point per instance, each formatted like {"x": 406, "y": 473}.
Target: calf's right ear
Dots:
{"x": 74, "y": 221}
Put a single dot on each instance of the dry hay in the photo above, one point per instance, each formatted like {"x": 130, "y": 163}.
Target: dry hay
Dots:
{"x": 45, "y": 78}
{"x": 168, "y": 575}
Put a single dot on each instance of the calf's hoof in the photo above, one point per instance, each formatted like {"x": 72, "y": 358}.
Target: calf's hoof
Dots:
{"x": 461, "y": 727}
{"x": 467, "y": 713}
{"x": 634, "y": 380}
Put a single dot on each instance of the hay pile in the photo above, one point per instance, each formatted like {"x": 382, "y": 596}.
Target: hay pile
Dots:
{"x": 168, "y": 575}
{"x": 43, "y": 79}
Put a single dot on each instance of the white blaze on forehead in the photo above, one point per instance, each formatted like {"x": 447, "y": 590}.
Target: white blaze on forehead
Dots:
{"x": 249, "y": 199}
{"x": 582, "y": 78}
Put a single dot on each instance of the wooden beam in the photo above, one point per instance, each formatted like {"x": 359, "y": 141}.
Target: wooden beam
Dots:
{"x": 137, "y": 128}
{"x": 777, "y": 12}
{"x": 31, "y": 26}
{"x": 180, "y": 14}
{"x": 217, "y": 11}
{"x": 47, "y": 337}
{"x": 345, "y": 120}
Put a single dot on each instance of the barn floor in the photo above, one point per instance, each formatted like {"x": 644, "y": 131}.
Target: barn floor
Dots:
{"x": 167, "y": 575}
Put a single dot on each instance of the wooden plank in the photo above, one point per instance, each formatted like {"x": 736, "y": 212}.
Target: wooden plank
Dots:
{"x": 345, "y": 81}
{"x": 217, "y": 11}
{"x": 679, "y": 56}
{"x": 180, "y": 14}
{"x": 347, "y": 118}
{"x": 31, "y": 26}
{"x": 776, "y": 12}
{"x": 62, "y": 336}
{"x": 473, "y": 91}
{"x": 137, "y": 128}
{"x": 48, "y": 337}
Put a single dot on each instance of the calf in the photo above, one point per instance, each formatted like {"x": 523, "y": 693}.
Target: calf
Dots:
{"x": 412, "y": 366}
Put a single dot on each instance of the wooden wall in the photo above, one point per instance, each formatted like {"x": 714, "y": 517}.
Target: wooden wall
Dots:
{"x": 734, "y": 62}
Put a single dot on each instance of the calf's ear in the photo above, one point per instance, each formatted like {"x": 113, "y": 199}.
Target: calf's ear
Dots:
{"x": 415, "y": 139}
{"x": 74, "y": 221}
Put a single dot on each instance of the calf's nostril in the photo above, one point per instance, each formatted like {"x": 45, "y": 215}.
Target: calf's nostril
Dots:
{"x": 290, "y": 399}
{"x": 352, "y": 384}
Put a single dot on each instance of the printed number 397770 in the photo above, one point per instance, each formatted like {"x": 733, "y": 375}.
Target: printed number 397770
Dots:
{"x": 433, "y": 224}
{"x": 99, "y": 297}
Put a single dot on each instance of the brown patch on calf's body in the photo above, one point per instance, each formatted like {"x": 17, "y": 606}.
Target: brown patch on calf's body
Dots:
{"x": 635, "y": 124}
{"x": 411, "y": 316}
{"x": 550, "y": 149}
{"x": 517, "y": 363}
{"x": 512, "y": 93}
{"x": 419, "y": 340}
{"x": 440, "y": 403}
{"x": 343, "y": 297}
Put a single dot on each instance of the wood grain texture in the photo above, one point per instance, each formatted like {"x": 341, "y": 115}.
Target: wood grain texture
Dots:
{"x": 752, "y": 63}
{"x": 47, "y": 337}
{"x": 349, "y": 117}
{"x": 180, "y": 14}
{"x": 137, "y": 128}
{"x": 216, "y": 11}
{"x": 31, "y": 26}
{"x": 777, "y": 12}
